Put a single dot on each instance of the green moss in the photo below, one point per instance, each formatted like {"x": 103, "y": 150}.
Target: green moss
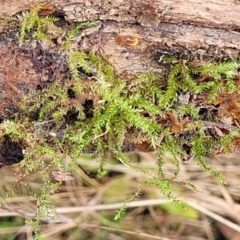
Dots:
{"x": 40, "y": 27}
{"x": 122, "y": 111}
{"x": 119, "y": 108}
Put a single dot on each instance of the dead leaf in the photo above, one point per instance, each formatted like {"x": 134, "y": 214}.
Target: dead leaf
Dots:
{"x": 233, "y": 147}
{"x": 144, "y": 147}
{"x": 185, "y": 122}
{"x": 46, "y": 9}
{"x": 176, "y": 126}
{"x": 217, "y": 149}
{"x": 236, "y": 145}
{"x": 228, "y": 105}
{"x": 126, "y": 40}
{"x": 219, "y": 132}
{"x": 227, "y": 100}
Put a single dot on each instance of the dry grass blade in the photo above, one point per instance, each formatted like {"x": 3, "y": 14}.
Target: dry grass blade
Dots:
{"x": 213, "y": 215}
{"x": 93, "y": 209}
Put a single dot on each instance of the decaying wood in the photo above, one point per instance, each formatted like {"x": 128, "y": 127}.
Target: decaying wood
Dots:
{"x": 191, "y": 24}
{"x": 157, "y": 26}
{"x": 136, "y": 59}
{"x": 213, "y": 13}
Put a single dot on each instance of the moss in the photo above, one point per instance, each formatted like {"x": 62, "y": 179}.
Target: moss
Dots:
{"x": 147, "y": 110}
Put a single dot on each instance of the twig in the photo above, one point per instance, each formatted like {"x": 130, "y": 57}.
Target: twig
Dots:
{"x": 215, "y": 216}
{"x": 100, "y": 135}
{"x": 208, "y": 124}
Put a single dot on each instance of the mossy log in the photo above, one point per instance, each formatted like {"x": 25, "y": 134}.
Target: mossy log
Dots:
{"x": 134, "y": 35}
{"x": 148, "y": 78}
{"x": 158, "y": 24}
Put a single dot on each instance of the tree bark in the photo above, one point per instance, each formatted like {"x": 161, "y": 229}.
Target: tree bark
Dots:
{"x": 224, "y": 14}
{"x": 158, "y": 24}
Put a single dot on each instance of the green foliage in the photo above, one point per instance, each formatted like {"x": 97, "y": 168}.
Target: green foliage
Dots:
{"x": 44, "y": 28}
{"x": 40, "y": 26}
{"x": 119, "y": 107}
{"x": 188, "y": 109}
{"x": 123, "y": 112}
{"x": 181, "y": 78}
{"x": 189, "y": 213}
{"x": 130, "y": 198}
{"x": 78, "y": 59}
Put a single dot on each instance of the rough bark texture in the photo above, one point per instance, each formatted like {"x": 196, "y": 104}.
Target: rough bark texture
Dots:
{"x": 160, "y": 25}
{"x": 166, "y": 36}
{"x": 224, "y": 14}
{"x": 191, "y": 24}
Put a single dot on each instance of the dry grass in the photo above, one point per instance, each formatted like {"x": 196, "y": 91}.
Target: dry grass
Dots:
{"x": 86, "y": 206}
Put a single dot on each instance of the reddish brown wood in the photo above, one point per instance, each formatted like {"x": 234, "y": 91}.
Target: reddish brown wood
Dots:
{"x": 212, "y": 13}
